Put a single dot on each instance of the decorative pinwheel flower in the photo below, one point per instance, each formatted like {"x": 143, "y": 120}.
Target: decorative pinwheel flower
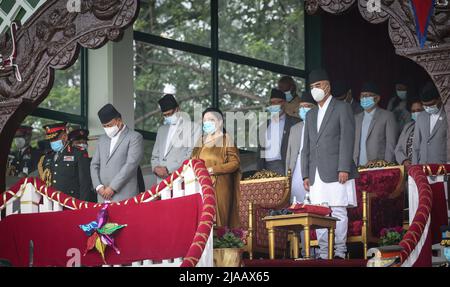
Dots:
{"x": 100, "y": 233}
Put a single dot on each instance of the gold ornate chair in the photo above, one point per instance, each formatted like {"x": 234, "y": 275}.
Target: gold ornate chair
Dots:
{"x": 260, "y": 193}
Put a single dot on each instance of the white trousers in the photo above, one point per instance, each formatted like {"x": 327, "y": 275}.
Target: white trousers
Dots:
{"x": 340, "y": 234}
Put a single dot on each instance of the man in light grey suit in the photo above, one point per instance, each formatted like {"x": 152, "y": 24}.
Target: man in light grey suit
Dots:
{"x": 116, "y": 159}
{"x": 376, "y": 129}
{"x": 327, "y": 159}
{"x": 175, "y": 139}
{"x": 430, "y": 136}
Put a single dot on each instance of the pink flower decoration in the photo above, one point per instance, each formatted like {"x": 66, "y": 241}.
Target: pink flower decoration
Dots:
{"x": 221, "y": 231}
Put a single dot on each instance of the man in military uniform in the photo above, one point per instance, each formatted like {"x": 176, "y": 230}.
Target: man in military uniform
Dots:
{"x": 65, "y": 168}
{"x": 79, "y": 138}
{"x": 24, "y": 159}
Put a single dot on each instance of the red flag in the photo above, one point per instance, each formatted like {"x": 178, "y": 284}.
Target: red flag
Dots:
{"x": 423, "y": 10}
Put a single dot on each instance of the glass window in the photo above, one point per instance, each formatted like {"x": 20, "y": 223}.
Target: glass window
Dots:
{"x": 156, "y": 69}
{"x": 186, "y": 21}
{"x": 148, "y": 148}
{"x": 65, "y": 95}
{"x": 246, "y": 89}
{"x": 267, "y": 30}
{"x": 37, "y": 124}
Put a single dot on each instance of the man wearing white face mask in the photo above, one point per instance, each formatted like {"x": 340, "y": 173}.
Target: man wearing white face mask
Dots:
{"x": 274, "y": 141}
{"x": 430, "y": 136}
{"x": 116, "y": 160}
{"x": 175, "y": 139}
{"x": 24, "y": 159}
{"x": 327, "y": 166}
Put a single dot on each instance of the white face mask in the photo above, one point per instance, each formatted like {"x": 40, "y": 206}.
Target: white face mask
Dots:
{"x": 318, "y": 94}
{"x": 20, "y": 142}
{"x": 83, "y": 146}
{"x": 111, "y": 131}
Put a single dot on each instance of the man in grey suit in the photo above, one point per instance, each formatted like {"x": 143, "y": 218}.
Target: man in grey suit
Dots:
{"x": 175, "y": 139}
{"x": 404, "y": 148}
{"x": 274, "y": 142}
{"x": 376, "y": 129}
{"x": 327, "y": 164}
{"x": 116, "y": 159}
{"x": 342, "y": 92}
{"x": 430, "y": 136}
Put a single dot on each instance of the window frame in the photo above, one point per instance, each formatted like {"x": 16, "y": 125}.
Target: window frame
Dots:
{"x": 82, "y": 118}
{"x": 312, "y": 51}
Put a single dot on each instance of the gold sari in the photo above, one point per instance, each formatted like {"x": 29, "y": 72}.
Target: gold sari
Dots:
{"x": 223, "y": 159}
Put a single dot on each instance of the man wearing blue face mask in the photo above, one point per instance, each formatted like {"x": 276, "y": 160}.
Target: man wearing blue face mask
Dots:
{"x": 398, "y": 103}
{"x": 175, "y": 139}
{"x": 430, "y": 137}
{"x": 403, "y": 150}
{"x": 293, "y": 154}
{"x": 65, "y": 168}
{"x": 376, "y": 129}
{"x": 273, "y": 146}
{"x": 287, "y": 85}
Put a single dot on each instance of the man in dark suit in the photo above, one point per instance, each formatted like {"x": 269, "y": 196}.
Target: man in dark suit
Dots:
{"x": 328, "y": 169}
{"x": 275, "y": 135}
{"x": 66, "y": 168}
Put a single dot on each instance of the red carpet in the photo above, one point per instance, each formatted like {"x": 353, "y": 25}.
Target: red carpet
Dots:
{"x": 304, "y": 263}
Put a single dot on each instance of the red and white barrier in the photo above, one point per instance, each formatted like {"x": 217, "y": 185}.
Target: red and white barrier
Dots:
{"x": 31, "y": 195}
{"x": 417, "y": 241}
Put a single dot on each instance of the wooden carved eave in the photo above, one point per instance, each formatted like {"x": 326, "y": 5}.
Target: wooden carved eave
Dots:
{"x": 51, "y": 39}
{"x": 434, "y": 57}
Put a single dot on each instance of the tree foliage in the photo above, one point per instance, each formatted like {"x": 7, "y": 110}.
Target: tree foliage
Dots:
{"x": 263, "y": 29}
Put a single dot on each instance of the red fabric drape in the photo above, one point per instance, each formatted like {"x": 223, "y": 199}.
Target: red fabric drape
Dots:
{"x": 156, "y": 230}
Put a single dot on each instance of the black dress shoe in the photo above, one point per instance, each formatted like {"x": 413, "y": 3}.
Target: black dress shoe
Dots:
{"x": 339, "y": 258}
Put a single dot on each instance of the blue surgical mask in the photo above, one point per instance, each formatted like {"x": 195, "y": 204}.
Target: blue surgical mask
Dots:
{"x": 57, "y": 146}
{"x": 302, "y": 112}
{"x": 367, "y": 103}
{"x": 274, "y": 109}
{"x": 401, "y": 95}
{"x": 414, "y": 116}
{"x": 170, "y": 120}
{"x": 209, "y": 127}
{"x": 432, "y": 110}
{"x": 289, "y": 96}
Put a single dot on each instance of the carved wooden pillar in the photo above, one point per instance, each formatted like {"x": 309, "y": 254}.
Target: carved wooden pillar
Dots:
{"x": 49, "y": 40}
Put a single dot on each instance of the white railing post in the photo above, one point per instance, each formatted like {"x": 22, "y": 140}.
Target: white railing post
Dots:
{"x": 190, "y": 181}
{"x": 46, "y": 206}
{"x": 166, "y": 193}
{"x": 177, "y": 188}
{"x": 29, "y": 202}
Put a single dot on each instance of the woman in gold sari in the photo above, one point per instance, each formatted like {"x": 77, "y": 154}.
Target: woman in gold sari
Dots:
{"x": 221, "y": 158}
